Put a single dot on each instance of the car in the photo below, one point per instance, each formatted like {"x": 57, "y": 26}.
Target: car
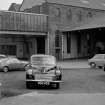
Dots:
{"x": 98, "y": 60}
{"x": 12, "y": 63}
{"x": 43, "y": 70}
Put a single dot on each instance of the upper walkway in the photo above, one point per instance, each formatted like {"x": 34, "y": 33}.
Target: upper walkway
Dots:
{"x": 22, "y": 22}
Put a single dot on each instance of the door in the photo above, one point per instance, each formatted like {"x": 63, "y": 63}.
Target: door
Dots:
{"x": 40, "y": 45}
{"x": 100, "y": 60}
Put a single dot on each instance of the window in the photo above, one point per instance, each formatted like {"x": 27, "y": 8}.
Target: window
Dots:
{"x": 8, "y": 49}
{"x": 57, "y": 39}
{"x": 68, "y": 43}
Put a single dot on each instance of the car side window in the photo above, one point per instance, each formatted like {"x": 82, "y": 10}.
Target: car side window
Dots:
{"x": 15, "y": 60}
{"x": 99, "y": 57}
{"x": 11, "y": 60}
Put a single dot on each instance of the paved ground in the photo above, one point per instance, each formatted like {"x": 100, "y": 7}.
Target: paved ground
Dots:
{"x": 67, "y": 98}
{"x": 55, "y": 99}
{"x": 67, "y": 64}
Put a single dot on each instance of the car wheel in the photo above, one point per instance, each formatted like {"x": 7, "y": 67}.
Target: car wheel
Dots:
{"x": 100, "y": 67}
{"x": 29, "y": 85}
{"x": 60, "y": 77}
{"x": 56, "y": 85}
{"x": 104, "y": 68}
{"x": 92, "y": 65}
{"x": 5, "y": 69}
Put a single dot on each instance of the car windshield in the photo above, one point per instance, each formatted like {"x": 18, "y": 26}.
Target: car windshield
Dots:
{"x": 47, "y": 61}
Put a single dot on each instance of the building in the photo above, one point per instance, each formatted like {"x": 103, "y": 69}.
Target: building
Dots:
{"x": 14, "y": 7}
{"x": 22, "y": 34}
{"x": 74, "y": 28}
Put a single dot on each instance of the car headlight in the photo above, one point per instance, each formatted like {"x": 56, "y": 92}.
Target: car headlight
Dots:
{"x": 57, "y": 72}
{"x": 30, "y": 71}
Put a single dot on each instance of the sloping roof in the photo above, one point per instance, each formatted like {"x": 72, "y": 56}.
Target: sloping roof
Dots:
{"x": 94, "y": 4}
{"x": 30, "y": 3}
{"x": 95, "y": 23}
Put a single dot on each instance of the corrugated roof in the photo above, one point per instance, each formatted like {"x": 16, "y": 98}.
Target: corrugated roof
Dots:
{"x": 94, "y": 4}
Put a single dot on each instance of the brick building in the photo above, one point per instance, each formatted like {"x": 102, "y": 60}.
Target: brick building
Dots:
{"x": 22, "y": 34}
{"x": 73, "y": 27}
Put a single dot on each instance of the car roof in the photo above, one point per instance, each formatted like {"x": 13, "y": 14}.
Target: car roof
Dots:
{"x": 99, "y": 54}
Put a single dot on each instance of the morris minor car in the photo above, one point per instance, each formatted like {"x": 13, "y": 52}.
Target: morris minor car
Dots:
{"x": 43, "y": 70}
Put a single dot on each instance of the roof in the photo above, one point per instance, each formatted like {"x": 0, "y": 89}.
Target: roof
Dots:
{"x": 93, "y": 4}
{"x": 94, "y": 23}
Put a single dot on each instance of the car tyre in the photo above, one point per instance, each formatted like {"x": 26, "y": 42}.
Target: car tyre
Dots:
{"x": 92, "y": 65}
{"x": 100, "y": 67}
{"x": 5, "y": 69}
{"x": 29, "y": 85}
{"x": 104, "y": 68}
{"x": 56, "y": 85}
{"x": 60, "y": 77}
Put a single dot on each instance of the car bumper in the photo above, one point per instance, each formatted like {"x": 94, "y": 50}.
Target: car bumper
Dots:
{"x": 50, "y": 81}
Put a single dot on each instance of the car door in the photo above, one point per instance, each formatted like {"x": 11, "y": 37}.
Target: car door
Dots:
{"x": 13, "y": 63}
{"x": 100, "y": 60}
{"x": 21, "y": 64}
{"x": 104, "y": 61}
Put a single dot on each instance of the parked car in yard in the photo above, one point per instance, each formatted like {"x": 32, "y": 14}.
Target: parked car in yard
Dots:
{"x": 97, "y": 60}
{"x": 12, "y": 63}
{"x": 42, "y": 70}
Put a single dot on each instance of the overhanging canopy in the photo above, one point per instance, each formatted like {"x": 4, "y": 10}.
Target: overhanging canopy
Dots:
{"x": 94, "y": 23}
{"x": 98, "y": 22}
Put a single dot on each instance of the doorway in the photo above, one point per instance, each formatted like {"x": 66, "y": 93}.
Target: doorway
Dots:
{"x": 40, "y": 45}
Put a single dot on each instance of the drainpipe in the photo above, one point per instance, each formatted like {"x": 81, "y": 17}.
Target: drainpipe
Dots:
{"x": 62, "y": 47}
{"x": 48, "y": 47}
{"x": 48, "y": 35}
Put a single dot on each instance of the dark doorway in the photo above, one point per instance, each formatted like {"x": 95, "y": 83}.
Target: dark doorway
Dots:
{"x": 40, "y": 45}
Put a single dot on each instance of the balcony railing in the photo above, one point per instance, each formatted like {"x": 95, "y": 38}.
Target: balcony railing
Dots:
{"x": 22, "y": 22}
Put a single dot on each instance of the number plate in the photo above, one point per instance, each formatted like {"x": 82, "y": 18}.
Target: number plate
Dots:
{"x": 43, "y": 83}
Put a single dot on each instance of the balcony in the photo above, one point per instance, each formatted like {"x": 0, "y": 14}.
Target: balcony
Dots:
{"x": 23, "y": 22}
